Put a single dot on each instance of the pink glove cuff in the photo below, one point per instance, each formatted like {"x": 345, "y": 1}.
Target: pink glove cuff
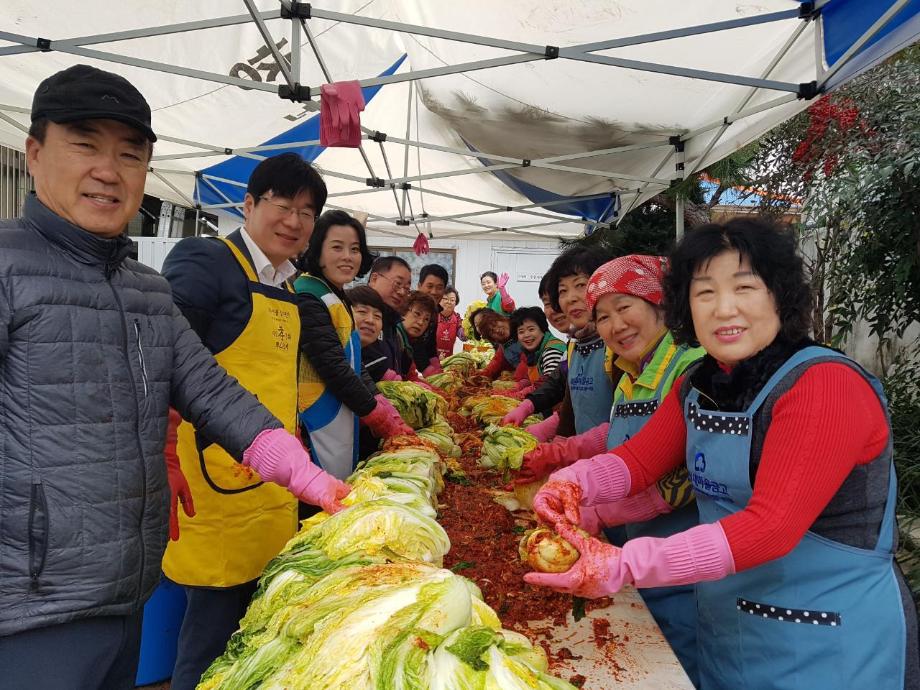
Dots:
{"x": 545, "y": 430}
{"x": 592, "y": 442}
{"x": 390, "y": 375}
{"x": 699, "y": 554}
{"x": 280, "y": 458}
{"x": 603, "y": 478}
{"x": 639, "y": 508}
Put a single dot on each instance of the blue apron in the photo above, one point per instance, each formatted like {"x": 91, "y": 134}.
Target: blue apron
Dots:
{"x": 590, "y": 386}
{"x": 814, "y": 618}
{"x": 674, "y": 608}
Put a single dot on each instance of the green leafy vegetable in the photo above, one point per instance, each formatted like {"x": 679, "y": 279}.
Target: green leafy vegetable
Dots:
{"x": 503, "y": 447}
{"x": 418, "y": 407}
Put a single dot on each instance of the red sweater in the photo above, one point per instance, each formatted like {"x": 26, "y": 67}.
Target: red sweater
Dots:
{"x": 829, "y": 422}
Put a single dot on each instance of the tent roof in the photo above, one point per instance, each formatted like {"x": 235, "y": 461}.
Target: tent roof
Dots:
{"x": 555, "y": 112}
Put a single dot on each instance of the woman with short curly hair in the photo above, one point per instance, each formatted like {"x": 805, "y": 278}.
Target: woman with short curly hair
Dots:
{"x": 788, "y": 448}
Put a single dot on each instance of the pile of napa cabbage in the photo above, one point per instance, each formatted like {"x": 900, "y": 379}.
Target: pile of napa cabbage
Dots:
{"x": 359, "y": 600}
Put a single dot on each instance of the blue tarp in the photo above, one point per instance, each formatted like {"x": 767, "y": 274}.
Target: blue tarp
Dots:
{"x": 844, "y": 21}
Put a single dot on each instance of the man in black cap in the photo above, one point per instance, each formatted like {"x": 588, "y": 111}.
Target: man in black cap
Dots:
{"x": 92, "y": 353}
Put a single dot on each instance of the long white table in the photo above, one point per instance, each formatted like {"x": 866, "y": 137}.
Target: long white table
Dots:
{"x": 637, "y": 655}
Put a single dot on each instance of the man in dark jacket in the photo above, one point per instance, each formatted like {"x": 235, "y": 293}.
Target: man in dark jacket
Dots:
{"x": 92, "y": 352}
{"x": 391, "y": 277}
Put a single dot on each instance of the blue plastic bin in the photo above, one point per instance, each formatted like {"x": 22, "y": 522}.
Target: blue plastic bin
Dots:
{"x": 160, "y": 633}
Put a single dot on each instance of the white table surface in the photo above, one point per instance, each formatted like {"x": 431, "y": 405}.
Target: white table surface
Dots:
{"x": 637, "y": 655}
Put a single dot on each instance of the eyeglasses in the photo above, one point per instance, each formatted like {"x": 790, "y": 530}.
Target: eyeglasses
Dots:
{"x": 305, "y": 216}
{"x": 398, "y": 285}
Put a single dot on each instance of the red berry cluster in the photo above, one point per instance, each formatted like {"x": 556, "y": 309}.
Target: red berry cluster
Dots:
{"x": 829, "y": 123}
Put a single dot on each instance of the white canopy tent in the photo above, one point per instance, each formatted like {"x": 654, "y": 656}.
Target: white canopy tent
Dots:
{"x": 524, "y": 118}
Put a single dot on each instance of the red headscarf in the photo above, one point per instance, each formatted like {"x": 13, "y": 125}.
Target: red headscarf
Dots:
{"x": 639, "y": 275}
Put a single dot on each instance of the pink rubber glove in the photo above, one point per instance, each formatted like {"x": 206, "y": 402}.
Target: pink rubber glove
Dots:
{"x": 549, "y": 457}
{"x": 604, "y": 478}
{"x": 502, "y": 280}
{"x": 518, "y": 394}
{"x": 384, "y": 421}
{"x": 545, "y": 430}
{"x": 699, "y": 554}
{"x": 434, "y": 367}
{"x": 518, "y": 414}
{"x": 390, "y": 375}
{"x": 643, "y": 506}
{"x": 280, "y": 458}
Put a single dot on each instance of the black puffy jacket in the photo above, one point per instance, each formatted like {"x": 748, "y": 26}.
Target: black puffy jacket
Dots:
{"x": 92, "y": 352}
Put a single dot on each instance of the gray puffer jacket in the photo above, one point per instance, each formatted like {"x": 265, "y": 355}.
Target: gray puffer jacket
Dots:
{"x": 92, "y": 351}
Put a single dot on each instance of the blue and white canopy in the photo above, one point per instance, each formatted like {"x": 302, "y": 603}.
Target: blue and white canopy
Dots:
{"x": 531, "y": 117}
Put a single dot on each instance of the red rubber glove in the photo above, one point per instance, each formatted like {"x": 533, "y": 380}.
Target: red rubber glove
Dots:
{"x": 179, "y": 491}
{"x": 549, "y": 457}
{"x": 699, "y": 554}
{"x": 384, "y": 421}
{"x": 518, "y": 414}
{"x": 280, "y": 458}
{"x": 522, "y": 372}
{"x": 434, "y": 367}
{"x": 502, "y": 280}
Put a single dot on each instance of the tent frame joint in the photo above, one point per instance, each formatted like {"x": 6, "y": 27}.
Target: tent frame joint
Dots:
{"x": 296, "y": 10}
{"x": 808, "y": 10}
{"x": 677, "y": 143}
{"x": 808, "y": 90}
{"x": 43, "y": 44}
{"x": 402, "y": 222}
{"x": 375, "y": 182}
{"x": 377, "y": 136}
{"x": 551, "y": 52}
{"x": 297, "y": 93}
{"x": 525, "y": 163}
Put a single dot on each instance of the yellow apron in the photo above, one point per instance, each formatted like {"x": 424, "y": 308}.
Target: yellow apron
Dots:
{"x": 240, "y": 522}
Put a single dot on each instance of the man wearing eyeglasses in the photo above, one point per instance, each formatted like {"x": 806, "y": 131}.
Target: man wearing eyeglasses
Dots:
{"x": 391, "y": 277}
{"x": 235, "y": 293}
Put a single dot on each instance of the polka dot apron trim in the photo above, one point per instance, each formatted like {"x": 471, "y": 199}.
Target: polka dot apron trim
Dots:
{"x": 781, "y": 613}
{"x": 635, "y": 409}
{"x": 717, "y": 423}
{"x": 585, "y": 350}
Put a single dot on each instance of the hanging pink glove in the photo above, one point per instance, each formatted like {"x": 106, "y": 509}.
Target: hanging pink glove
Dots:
{"x": 549, "y": 457}
{"x": 699, "y": 554}
{"x": 390, "y": 375}
{"x": 434, "y": 367}
{"x": 518, "y": 414}
{"x": 339, "y": 119}
{"x": 384, "y": 421}
{"x": 545, "y": 430}
{"x": 280, "y": 458}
